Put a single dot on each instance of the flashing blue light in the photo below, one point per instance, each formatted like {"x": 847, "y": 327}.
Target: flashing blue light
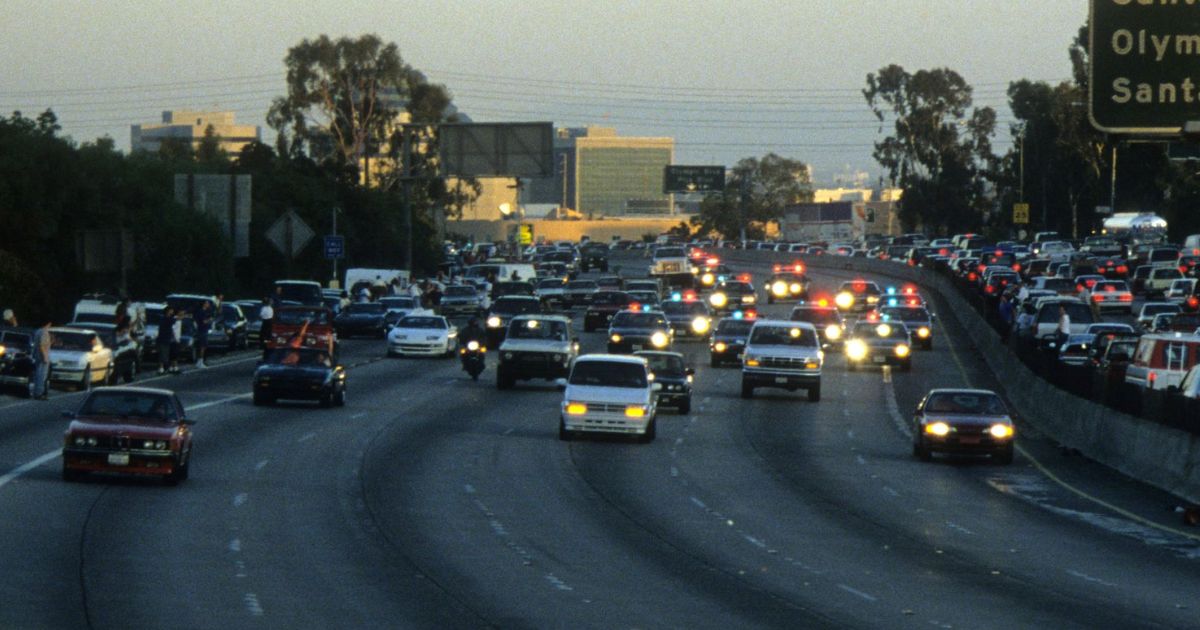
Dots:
{"x": 676, "y": 297}
{"x": 720, "y": 278}
{"x": 891, "y": 290}
{"x": 893, "y": 302}
{"x": 738, "y": 315}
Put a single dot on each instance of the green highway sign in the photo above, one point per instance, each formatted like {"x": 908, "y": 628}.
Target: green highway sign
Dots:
{"x": 686, "y": 179}
{"x": 1145, "y": 66}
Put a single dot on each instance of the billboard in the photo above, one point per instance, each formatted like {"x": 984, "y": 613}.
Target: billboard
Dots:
{"x": 496, "y": 149}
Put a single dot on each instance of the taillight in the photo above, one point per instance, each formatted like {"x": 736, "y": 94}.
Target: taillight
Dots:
{"x": 1017, "y": 267}
{"x": 1126, "y": 298}
{"x": 971, "y": 276}
{"x": 1183, "y": 269}
{"x": 989, "y": 289}
{"x": 1193, "y": 302}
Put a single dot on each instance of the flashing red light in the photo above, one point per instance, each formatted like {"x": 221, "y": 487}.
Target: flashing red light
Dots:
{"x": 1091, "y": 282}
{"x": 712, "y": 262}
{"x": 872, "y": 316}
{"x": 798, "y": 268}
{"x": 777, "y": 268}
{"x": 909, "y": 290}
{"x": 1183, "y": 268}
{"x": 999, "y": 253}
{"x": 943, "y": 252}
{"x": 744, "y": 277}
{"x": 971, "y": 276}
{"x": 635, "y": 307}
{"x": 989, "y": 289}
{"x": 1079, "y": 288}
{"x": 750, "y": 314}
{"x": 822, "y": 302}
{"x": 1193, "y": 302}
{"x": 690, "y": 296}
{"x": 1122, "y": 269}
{"x": 913, "y": 302}
{"x": 1097, "y": 298}
{"x": 1017, "y": 267}
{"x": 858, "y": 286}
{"x": 1110, "y": 288}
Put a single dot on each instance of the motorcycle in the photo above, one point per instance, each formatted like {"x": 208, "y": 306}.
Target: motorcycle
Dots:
{"x": 472, "y": 356}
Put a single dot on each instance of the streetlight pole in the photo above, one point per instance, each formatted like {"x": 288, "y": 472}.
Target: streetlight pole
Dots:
{"x": 334, "y": 282}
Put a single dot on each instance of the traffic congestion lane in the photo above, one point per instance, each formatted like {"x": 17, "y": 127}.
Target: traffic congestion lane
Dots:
{"x": 202, "y": 534}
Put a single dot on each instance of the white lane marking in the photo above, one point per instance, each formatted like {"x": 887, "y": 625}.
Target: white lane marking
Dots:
{"x": 358, "y": 415}
{"x": 674, "y": 471}
{"x": 893, "y": 407}
{"x": 469, "y": 488}
{"x": 235, "y": 545}
{"x": 890, "y": 491}
{"x": 241, "y": 569}
{"x": 509, "y": 432}
{"x": 253, "y": 605}
{"x": 959, "y": 528}
{"x": 240, "y": 499}
{"x": 861, "y": 460}
{"x": 558, "y": 584}
{"x": 754, "y": 541}
{"x": 1087, "y": 578}
{"x": 219, "y": 401}
{"x": 699, "y": 503}
{"x": 306, "y": 437}
{"x": 850, "y": 434}
{"x": 854, "y": 591}
{"x": 24, "y": 468}
{"x": 15, "y": 404}
{"x": 261, "y": 465}
{"x": 887, "y": 374}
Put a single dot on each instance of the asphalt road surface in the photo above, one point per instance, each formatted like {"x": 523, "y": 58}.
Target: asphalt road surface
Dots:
{"x": 434, "y": 501}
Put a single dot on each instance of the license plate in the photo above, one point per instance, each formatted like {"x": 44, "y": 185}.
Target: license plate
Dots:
{"x": 879, "y": 359}
{"x": 118, "y": 459}
{"x": 973, "y": 439}
{"x": 637, "y": 346}
{"x": 781, "y": 379}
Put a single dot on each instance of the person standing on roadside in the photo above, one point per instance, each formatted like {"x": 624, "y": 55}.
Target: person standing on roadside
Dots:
{"x": 203, "y": 320}
{"x": 166, "y": 340}
{"x": 1006, "y": 316}
{"x": 267, "y": 315}
{"x": 41, "y": 363}
{"x": 1064, "y": 326}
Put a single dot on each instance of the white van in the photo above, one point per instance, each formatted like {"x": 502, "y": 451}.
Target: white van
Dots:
{"x": 479, "y": 274}
{"x": 359, "y": 275}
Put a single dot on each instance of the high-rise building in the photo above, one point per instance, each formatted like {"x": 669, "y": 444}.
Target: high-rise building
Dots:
{"x": 190, "y": 126}
{"x": 602, "y": 174}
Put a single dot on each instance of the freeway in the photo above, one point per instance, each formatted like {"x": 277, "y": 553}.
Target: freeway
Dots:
{"x": 434, "y": 501}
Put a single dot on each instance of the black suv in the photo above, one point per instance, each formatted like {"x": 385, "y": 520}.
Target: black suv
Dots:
{"x": 593, "y": 257}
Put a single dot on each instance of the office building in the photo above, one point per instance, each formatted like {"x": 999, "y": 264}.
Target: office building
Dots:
{"x": 602, "y": 174}
{"x": 190, "y": 126}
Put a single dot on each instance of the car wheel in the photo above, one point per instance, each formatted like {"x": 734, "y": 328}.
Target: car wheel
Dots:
{"x": 563, "y": 433}
{"x": 69, "y": 474}
{"x": 747, "y": 389}
{"x": 327, "y": 400}
{"x": 685, "y": 407}
{"x": 180, "y": 473}
{"x": 651, "y": 431}
{"x": 851, "y": 366}
{"x": 922, "y": 452}
{"x": 814, "y": 394}
{"x": 130, "y": 370}
{"x": 1004, "y": 456}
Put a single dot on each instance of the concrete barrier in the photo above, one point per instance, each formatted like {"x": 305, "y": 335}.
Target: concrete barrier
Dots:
{"x": 1161, "y": 456}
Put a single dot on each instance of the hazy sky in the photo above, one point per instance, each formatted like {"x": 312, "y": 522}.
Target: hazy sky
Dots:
{"x": 725, "y": 79}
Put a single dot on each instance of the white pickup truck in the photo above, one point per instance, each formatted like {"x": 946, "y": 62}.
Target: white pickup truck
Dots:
{"x": 668, "y": 261}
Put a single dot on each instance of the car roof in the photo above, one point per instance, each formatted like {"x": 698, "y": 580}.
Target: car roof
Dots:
{"x": 554, "y": 318}
{"x": 134, "y": 390}
{"x": 659, "y": 353}
{"x": 610, "y": 358}
{"x": 956, "y": 390}
{"x": 783, "y": 323}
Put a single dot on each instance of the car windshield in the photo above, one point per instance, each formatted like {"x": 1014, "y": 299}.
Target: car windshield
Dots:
{"x": 985, "y": 404}
{"x": 423, "y": 322}
{"x": 1114, "y": 286}
{"x": 97, "y": 318}
{"x": 822, "y": 316}
{"x": 129, "y": 405}
{"x": 638, "y": 320}
{"x": 252, "y": 312}
{"x": 553, "y": 283}
{"x": 304, "y": 357}
{"x": 642, "y": 286}
{"x": 669, "y": 252}
{"x": 665, "y": 364}
{"x": 734, "y": 327}
{"x": 538, "y": 329}
{"x": 581, "y": 285}
{"x": 1155, "y": 309}
{"x": 297, "y": 316}
{"x": 299, "y": 292}
{"x": 684, "y": 308}
{"x": 906, "y": 314}
{"x": 1057, "y": 284}
{"x": 783, "y": 336}
{"x": 610, "y": 298}
{"x": 869, "y": 330}
{"x": 79, "y": 341}
{"x": 460, "y": 290}
{"x": 1078, "y": 313}
{"x": 360, "y": 308}
{"x": 609, "y": 374}
{"x": 516, "y": 307}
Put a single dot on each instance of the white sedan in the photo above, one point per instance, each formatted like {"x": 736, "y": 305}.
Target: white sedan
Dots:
{"x": 422, "y": 335}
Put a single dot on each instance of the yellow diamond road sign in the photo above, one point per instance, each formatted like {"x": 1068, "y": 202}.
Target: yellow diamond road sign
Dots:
{"x": 1020, "y": 213}
{"x": 525, "y": 236}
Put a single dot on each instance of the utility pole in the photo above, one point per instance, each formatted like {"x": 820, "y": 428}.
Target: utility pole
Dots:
{"x": 1112, "y": 190}
{"x": 743, "y": 201}
{"x": 334, "y": 212}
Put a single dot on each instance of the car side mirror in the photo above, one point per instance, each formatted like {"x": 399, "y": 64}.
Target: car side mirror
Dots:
{"x": 560, "y": 383}
{"x": 689, "y": 371}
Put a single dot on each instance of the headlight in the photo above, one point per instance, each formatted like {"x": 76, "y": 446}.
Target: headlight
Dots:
{"x": 856, "y": 350}
{"x": 700, "y": 324}
{"x": 493, "y": 322}
{"x": 1001, "y": 431}
{"x": 884, "y": 330}
{"x": 148, "y": 444}
{"x": 720, "y": 347}
{"x": 940, "y": 429}
{"x": 615, "y": 338}
{"x": 708, "y": 278}
{"x": 833, "y": 331}
{"x": 749, "y": 299}
{"x": 796, "y": 287}
{"x": 902, "y": 350}
{"x": 635, "y": 411}
{"x": 92, "y": 441}
{"x": 718, "y": 300}
{"x": 844, "y": 300}
{"x": 779, "y": 289}
{"x": 473, "y": 345}
{"x": 923, "y": 332}
{"x": 872, "y": 299}
{"x": 659, "y": 339}
{"x": 576, "y": 409}
{"x": 80, "y": 440}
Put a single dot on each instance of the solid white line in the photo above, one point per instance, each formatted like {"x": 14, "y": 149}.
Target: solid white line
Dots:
{"x": 24, "y": 468}
{"x": 854, "y": 591}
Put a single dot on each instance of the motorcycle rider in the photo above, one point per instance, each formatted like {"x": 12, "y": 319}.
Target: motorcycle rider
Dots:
{"x": 472, "y": 332}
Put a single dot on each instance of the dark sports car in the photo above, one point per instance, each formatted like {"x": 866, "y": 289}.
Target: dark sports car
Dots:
{"x": 299, "y": 374}
{"x": 361, "y": 318}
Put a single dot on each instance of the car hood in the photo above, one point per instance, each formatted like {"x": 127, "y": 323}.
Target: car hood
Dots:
{"x": 68, "y": 355}
{"x": 359, "y": 317}
{"x": 612, "y": 395}
{"x": 419, "y": 332}
{"x": 535, "y": 345}
{"x": 969, "y": 420}
{"x": 635, "y": 331}
{"x": 788, "y": 352}
{"x": 133, "y": 427}
{"x": 730, "y": 339}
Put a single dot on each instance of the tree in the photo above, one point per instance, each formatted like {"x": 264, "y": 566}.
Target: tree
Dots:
{"x": 756, "y": 194}
{"x": 209, "y": 152}
{"x": 939, "y": 151}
